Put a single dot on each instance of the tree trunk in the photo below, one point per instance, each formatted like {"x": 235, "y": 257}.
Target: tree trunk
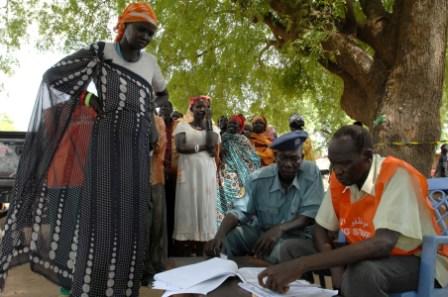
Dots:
{"x": 413, "y": 90}
{"x": 402, "y": 83}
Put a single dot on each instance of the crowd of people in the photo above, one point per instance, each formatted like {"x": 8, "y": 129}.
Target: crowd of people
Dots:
{"x": 111, "y": 185}
{"x": 210, "y": 167}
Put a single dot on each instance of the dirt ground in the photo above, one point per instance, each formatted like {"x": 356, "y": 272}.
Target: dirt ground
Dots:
{"x": 22, "y": 282}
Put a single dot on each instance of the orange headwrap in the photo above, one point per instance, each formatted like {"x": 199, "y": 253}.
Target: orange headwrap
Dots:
{"x": 135, "y": 12}
{"x": 195, "y": 99}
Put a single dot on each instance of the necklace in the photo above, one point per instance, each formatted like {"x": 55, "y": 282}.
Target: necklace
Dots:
{"x": 120, "y": 53}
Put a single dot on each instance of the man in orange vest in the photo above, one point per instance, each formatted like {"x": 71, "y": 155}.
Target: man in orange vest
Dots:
{"x": 381, "y": 206}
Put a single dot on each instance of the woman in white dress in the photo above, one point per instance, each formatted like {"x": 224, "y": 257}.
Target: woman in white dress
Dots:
{"x": 195, "y": 209}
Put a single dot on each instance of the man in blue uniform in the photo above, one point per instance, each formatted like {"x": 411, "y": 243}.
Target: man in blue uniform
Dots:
{"x": 274, "y": 219}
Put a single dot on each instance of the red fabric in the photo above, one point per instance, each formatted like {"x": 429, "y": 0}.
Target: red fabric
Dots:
{"x": 240, "y": 119}
{"x": 68, "y": 164}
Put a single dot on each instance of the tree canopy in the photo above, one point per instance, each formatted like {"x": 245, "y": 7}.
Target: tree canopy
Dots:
{"x": 254, "y": 56}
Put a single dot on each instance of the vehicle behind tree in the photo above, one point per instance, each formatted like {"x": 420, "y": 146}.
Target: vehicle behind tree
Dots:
{"x": 11, "y": 147}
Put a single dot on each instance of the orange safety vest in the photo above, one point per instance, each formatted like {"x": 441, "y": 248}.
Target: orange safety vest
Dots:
{"x": 356, "y": 218}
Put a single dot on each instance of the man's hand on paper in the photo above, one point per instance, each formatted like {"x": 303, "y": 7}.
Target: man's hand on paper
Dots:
{"x": 266, "y": 242}
{"x": 278, "y": 277}
{"x": 213, "y": 247}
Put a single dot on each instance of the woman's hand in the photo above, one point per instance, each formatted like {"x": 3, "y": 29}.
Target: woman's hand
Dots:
{"x": 211, "y": 140}
{"x": 208, "y": 119}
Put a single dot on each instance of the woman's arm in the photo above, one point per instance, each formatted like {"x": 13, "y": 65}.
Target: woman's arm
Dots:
{"x": 211, "y": 140}
{"x": 183, "y": 148}
{"x": 70, "y": 76}
{"x": 218, "y": 155}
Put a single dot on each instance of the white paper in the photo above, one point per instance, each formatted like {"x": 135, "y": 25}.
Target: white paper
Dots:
{"x": 161, "y": 285}
{"x": 190, "y": 275}
{"x": 296, "y": 290}
{"x": 202, "y": 288}
{"x": 250, "y": 275}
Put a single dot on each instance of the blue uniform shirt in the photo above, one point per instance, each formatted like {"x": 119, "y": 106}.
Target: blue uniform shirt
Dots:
{"x": 268, "y": 202}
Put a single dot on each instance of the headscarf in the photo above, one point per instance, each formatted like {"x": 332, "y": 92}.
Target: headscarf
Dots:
{"x": 262, "y": 142}
{"x": 259, "y": 118}
{"x": 193, "y": 100}
{"x": 296, "y": 119}
{"x": 240, "y": 119}
{"x": 135, "y": 12}
{"x": 188, "y": 117}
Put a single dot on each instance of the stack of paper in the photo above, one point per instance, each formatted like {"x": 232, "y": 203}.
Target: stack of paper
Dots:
{"x": 204, "y": 277}
{"x": 200, "y": 278}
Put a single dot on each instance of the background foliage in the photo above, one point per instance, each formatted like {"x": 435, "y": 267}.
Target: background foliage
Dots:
{"x": 211, "y": 47}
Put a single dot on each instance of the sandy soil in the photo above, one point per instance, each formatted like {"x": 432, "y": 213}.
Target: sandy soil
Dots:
{"x": 22, "y": 282}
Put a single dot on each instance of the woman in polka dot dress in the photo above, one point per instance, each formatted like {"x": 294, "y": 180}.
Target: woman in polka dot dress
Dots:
{"x": 83, "y": 182}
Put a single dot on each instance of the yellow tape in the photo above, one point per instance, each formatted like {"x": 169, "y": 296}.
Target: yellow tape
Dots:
{"x": 400, "y": 143}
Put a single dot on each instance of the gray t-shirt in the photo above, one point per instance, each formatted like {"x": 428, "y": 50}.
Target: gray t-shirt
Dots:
{"x": 146, "y": 66}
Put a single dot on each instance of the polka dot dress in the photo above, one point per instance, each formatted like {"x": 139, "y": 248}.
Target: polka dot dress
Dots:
{"x": 88, "y": 237}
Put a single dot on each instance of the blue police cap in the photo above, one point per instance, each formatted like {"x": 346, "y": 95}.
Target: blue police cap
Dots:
{"x": 289, "y": 141}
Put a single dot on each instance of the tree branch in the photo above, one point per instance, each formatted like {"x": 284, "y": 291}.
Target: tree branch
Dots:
{"x": 354, "y": 60}
{"x": 373, "y": 8}
{"x": 379, "y": 30}
{"x": 280, "y": 7}
{"x": 281, "y": 33}
{"x": 273, "y": 19}
{"x": 362, "y": 75}
{"x": 354, "y": 101}
{"x": 269, "y": 44}
{"x": 350, "y": 24}
{"x": 210, "y": 48}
